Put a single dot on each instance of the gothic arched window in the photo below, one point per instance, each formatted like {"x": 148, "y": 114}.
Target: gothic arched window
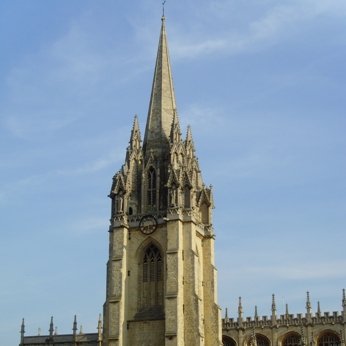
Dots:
{"x": 151, "y": 187}
{"x": 292, "y": 339}
{"x": 227, "y": 341}
{"x": 151, "y": 283}
{"x": 261, "y": 340}
{"x": 329, "y": 339}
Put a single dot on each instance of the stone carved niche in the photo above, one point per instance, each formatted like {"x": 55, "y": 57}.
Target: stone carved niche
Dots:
{"x": 205, "y": 217}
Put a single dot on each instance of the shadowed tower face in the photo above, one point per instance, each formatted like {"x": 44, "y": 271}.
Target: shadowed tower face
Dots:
{"x": 161, "y": 278}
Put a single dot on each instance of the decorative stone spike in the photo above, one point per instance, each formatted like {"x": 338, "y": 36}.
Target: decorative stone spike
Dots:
{"x": 256, "y": 314}
{"x": 22, "y": 331}
{"x": 273, "y": 304}
{"x": 308, "y": 303}
{"x": 51, "y": 327}
{"x": 75, "y": 328}
{"x": 273, "y": 310}
{"x": 99, "y": 329}
{"x": 318, "y": 309}
{"x": 240, "y": 313}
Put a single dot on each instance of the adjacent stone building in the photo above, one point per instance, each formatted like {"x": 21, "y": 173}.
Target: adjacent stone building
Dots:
{"x": 161, "y": 277}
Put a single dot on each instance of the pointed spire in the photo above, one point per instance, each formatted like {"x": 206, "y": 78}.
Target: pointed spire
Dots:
{"x": 256, "y": 313}
{"x": 135, "y": 139}
{"x": 75, "y": 328}
{"x": 226, "y": 316}
{"x": 308, "y": 304}
{"x": 51, "y": 327}
{"x": 287, "y": 313}
{"x": 22, "y": 332}
{"x": 99, "y": 329}
{"x": 175, "y": 135}
{"x": 273, "y": 304}
{"x": 162, "y": 101}
{"x": 344, "y": 304}
{"x": 240, "y": 313}
{"x": 273, "y": 310}
{"x": 318, "y": 308}
{"x": 189, "y": 144}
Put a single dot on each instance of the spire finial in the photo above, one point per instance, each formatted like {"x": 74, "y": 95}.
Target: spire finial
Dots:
{"x": 318, "y": 308}
{"x": 99, "y": 329}
{"x": 308, "y": 304}
{"x": 256, "y": 314}
{"x": 343, "y": 298}
{"x": 273, "y": 310}
{"x": 51, "y": 327}
{"x": 273, "y": 304}
{"x": 22, "y": 331}
{"x": 74, "y": 328}
{"x": 240, "y": 307}
{"x": 287, "y": 310}
{"x": 240, "y": 313}
{"x": 163, "y": 9}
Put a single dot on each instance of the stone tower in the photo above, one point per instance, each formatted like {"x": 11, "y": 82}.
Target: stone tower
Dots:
{"x": 161, "y": 277}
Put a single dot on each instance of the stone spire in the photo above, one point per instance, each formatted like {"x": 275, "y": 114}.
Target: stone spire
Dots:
{"x": 308, "y": 307}
{"x": 226, "y": 316}
{"x": 99, "y": 330}
{"x": 318, "y": 309}
{"x": 162, "y": 102}
{"x": 51, "y": 327}
{"x": 240, "y": 313}
{"x": 344, "y": 304}
{"x": 22, "y": 332}
{"x": 256, "y": 313}
{"x": 135, "y": 139}
{"x": 74, "y": 328}
{"x": 273, "y": 310}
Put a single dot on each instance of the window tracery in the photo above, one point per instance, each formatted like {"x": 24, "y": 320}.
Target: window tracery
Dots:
{"x": 292, "y": 340}
{"x": 329, "y": 339}
{"x": 151, "y": 282}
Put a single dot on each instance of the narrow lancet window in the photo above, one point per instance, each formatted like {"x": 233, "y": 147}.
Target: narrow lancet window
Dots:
{"x": 151, "y": 187}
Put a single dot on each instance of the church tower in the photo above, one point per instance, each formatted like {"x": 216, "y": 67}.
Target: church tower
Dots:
{"x": 161, "y": 277}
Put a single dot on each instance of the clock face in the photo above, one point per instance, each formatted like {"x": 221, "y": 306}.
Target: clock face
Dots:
{"x": 148, "y": 224}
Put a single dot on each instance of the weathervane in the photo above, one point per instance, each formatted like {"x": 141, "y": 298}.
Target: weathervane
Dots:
{"x": 163, "y": 8}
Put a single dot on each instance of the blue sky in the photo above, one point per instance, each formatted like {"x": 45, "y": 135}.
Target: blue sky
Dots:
{"x": 262, "y": 84}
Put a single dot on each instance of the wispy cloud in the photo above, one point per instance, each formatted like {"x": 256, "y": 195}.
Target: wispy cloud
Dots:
{"x": 23, "y": 126}
{"x": 94, "y": 166}
{"x": 277, "y": 23}
{"x": 88, "y": 225}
